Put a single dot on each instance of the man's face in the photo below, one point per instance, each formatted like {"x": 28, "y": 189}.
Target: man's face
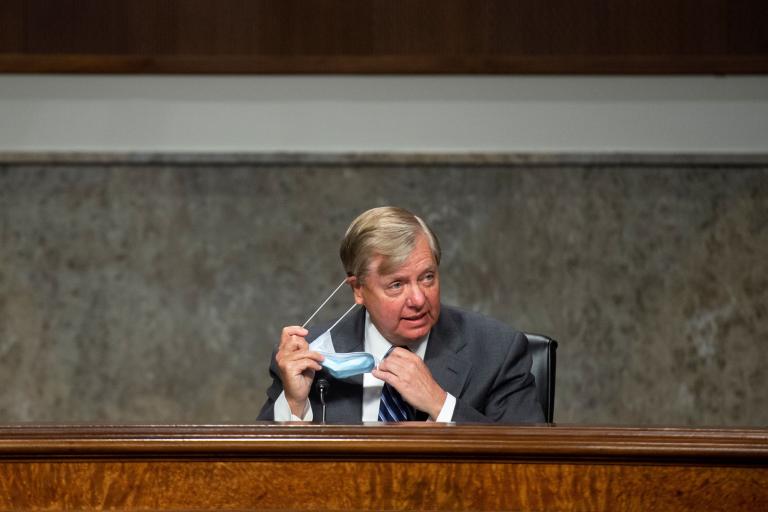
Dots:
{"x": 405, "y": 304}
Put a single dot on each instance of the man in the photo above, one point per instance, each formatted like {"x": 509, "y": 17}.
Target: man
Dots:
{"x": 438, "y": 363}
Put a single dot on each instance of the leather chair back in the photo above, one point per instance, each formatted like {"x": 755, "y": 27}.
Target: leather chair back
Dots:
{"x": 543, "y": 352}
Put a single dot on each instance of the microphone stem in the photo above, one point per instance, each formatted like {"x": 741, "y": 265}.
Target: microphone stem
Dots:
{"x": 322, "y": 401}
{"x": 323, "y": 388}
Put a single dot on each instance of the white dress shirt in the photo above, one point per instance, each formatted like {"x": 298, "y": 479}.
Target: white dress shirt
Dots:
{"x": 376, "y": 345}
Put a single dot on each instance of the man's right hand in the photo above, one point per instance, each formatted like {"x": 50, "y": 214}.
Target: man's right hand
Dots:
{"x": 297, "y": 366}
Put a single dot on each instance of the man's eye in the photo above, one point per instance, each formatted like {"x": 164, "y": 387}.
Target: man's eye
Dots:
{"x": 396, "y": 285}
{"x": 429, "y": 277}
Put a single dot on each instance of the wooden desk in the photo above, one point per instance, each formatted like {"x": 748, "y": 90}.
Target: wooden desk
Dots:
{"x": 376, "y": 467}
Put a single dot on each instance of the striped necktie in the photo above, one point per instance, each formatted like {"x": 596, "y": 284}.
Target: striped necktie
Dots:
{"x": 392, "y": 407}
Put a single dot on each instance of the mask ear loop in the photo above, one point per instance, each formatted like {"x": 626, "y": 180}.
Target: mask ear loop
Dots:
{"x": 342, "y": 317}
{"x": 323, "y": 304}
{"x": 326, "y": 302}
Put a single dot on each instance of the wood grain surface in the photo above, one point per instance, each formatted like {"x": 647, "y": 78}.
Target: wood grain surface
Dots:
{"x": 375, "y": 36}
{"x": 379, "y": 467}
{"x": 376, "y": 485}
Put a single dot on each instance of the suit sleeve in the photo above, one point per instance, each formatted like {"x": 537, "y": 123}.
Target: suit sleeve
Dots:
{"x": 511, "y": 397}
{"x": 267, "y": 412}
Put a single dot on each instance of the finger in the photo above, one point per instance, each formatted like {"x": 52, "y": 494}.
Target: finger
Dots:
{"x": 394, "y": 351}
{"x": 290, "y": 359}
{"x": 311, "y": 365}
{"x": 293, "y": 343}
{"x": 387, "y": 366}
{"x": 308, "y": 354}
{"x": 292, "y": 332}
{"x": 401, "y": 354}
{"x": 290, "y": 352}
{"x": 387, "y": 377}
{"x": 398, "y": 366}
{"x": 301, "y": 365}
{"x": 317, "y": 356}
{"x": 383, "y": 366}
{"x": 294, "y": 329}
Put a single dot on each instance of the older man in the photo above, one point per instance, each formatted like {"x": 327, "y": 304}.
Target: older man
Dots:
{"x": 437, "y": 363}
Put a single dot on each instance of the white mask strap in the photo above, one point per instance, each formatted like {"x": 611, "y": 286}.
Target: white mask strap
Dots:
{"x": 342, "y": 317}
{"x": 324, "y": 303}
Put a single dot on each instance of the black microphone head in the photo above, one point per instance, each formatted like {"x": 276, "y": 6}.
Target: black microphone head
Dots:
{"x": 323, "y": 384}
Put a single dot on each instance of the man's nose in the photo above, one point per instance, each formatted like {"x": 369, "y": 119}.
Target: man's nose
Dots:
{"x": 415, "y": 297}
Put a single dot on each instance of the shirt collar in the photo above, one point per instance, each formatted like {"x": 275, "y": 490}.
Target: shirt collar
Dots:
{"x": 377, "y": 345}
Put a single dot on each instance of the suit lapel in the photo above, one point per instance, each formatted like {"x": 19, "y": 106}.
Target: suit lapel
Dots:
{"x": 443, "y": 358}
{"x": 348, "y": 336}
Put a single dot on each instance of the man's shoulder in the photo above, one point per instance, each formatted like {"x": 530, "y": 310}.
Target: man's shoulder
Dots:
{"x": 464, "y": 320}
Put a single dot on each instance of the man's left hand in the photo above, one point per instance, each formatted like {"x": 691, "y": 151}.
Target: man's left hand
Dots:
{"x": 408, "y": 374}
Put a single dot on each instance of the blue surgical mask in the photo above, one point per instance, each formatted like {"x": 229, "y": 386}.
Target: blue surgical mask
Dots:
{"x": 340, "y": 364}
{"x": 343, "y": 365}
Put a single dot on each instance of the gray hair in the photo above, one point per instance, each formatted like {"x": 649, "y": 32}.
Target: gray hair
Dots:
{"x": 386, "y": 231}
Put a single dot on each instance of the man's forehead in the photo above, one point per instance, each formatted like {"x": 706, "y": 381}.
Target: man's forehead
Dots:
{"x": 383, "y": 266}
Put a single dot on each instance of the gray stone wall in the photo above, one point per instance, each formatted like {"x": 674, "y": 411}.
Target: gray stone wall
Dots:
{"x": 141, "y": 288}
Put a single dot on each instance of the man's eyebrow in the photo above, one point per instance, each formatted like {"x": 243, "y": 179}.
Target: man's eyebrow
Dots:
{"x": 397, "y": 276}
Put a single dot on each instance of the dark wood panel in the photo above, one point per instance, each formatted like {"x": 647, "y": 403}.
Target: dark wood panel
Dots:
{"x": 378, "y": 27}
{"x": 382, "y": 467}
{"x": 375, "y": 485}
{"x": 89, "y": 26}
{"x": 11, "y": 26}
{"x": 381, "y": 36}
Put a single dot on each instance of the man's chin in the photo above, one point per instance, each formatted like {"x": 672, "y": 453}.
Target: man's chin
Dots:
{"x": 414, "y": 333}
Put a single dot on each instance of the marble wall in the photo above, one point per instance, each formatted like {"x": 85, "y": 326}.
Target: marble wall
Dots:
{"x": 152, "y": 288}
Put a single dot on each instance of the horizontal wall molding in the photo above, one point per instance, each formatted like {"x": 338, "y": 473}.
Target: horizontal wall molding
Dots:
{"x": 472, "y": 159}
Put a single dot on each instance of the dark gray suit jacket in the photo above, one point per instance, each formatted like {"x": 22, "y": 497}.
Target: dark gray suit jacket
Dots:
{"x": 482, "y": 362}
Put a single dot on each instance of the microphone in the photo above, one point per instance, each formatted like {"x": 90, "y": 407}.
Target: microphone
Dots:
{"x": 322, "y": 387}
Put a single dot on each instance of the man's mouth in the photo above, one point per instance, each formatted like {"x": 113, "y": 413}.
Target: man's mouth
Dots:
{"x": 415, "y": 318}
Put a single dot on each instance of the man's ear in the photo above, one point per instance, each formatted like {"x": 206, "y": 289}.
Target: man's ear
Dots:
{"x": 357, "y": 289}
